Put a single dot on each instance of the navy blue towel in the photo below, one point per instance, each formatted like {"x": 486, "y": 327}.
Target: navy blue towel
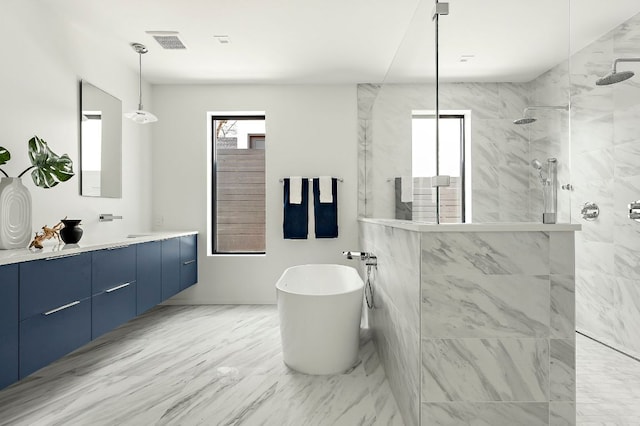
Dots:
{"x": 326, "y": 214}
{"x": 296, "y": 216}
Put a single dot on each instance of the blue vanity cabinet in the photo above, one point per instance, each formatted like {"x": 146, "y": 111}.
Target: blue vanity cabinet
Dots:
{"x": 8, "y": 325}
{"x": 55, "y": 309}
{"x": 113, "y": 285}
{"x": 170, "y": 267}
{"x": 149, "y": 276}
{"x": 188, "y": 261}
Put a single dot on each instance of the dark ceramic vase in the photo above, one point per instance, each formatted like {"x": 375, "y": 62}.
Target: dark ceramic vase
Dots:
{"x": 71, "y": 233}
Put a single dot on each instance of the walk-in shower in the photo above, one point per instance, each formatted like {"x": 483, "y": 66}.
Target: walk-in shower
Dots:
{"x": 528, "y": 120}
{"x": 614, "y": 76}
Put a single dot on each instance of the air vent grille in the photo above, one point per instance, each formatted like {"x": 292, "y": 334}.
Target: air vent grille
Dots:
{"x": 169, "y": 42}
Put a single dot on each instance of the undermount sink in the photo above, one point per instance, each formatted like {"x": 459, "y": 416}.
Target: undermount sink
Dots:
{"x": 138, "y": 235}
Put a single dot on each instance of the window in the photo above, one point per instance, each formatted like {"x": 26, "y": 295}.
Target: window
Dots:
{"x": 238, "y": 184}
{"x": 447, "y": 204}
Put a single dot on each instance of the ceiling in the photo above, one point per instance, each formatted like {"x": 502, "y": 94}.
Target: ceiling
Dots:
{"x": 342, "y": 41}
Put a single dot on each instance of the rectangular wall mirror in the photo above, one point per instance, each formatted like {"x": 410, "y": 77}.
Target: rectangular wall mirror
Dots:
{"x": 100, "y": 143}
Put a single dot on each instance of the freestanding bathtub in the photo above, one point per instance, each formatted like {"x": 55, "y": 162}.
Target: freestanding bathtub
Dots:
{"x": 320, "y": 308}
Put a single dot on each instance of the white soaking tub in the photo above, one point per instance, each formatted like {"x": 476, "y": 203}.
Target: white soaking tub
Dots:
{"x": 320, "y": 308}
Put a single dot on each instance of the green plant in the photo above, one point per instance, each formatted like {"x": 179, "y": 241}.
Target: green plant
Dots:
{"x": 47, "y": 168}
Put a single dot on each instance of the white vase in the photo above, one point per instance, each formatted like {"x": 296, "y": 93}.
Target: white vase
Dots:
{"x": 15, "y": 214}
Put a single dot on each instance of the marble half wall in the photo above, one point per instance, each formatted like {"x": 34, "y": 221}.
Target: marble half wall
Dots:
{"x": 475, "y": 326}
{"x": 497, "y": 334}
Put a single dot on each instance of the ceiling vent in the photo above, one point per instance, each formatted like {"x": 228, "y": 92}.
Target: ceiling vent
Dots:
{"x": 169, "y": 42}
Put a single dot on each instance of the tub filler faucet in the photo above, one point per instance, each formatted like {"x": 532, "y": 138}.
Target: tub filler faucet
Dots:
{"x": 368, "y": 258}
{"x": 371, "y": 262}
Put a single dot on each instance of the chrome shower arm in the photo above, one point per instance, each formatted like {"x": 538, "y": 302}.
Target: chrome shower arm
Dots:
{"x": 554, "y": 107}
{"x": 615, "y": 63}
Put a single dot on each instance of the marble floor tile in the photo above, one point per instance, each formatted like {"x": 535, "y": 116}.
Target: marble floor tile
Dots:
{"x": 198, "y": 365}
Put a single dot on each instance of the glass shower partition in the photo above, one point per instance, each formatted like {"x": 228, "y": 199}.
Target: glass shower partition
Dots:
{"x": 499, "y": 62}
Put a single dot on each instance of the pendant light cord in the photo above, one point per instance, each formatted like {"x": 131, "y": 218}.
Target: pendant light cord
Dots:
{"x": 140, "y": 81}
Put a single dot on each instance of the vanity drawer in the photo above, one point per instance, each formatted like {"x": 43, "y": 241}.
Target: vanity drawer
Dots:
{"x": 50, "y": 283}
{"x": 113, "y": 307}
{"x": 9, "y": 296}
{"x": 8, "y": 325}
{"x": 8, "y": 355}
{"x": 48, "y": 336}
{"x": 113, "y": 267}
{"x": 188, "y": 261}
{"x": 170, "y": 267}
{"x": 148, "y": 276}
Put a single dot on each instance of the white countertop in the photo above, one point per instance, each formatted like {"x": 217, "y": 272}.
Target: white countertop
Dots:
{"x": 86, "y": 244}
{"x": 473, "y": 227}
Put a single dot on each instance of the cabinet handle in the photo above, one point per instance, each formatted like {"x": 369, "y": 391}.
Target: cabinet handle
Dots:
{"x": 68, "y": 305}
{"x": 188, "y": 262}
{"x": 62, "y": 256}
{"x": 118, "y": 287}
{"x": 118, "y": 247}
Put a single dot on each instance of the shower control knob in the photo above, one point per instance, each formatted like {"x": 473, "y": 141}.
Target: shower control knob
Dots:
{"x": 567, "y": 187}
{"x": 590, "y": 211}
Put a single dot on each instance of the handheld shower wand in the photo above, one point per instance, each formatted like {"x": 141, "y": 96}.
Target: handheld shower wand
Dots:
{"x": 538, "y": 166}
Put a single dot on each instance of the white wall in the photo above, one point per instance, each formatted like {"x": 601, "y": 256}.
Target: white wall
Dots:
{"x": 311, "y": 131}
{"x": 43, "y": 60}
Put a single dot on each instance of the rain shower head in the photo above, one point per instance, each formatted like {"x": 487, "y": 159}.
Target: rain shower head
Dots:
{"x": 525, "y": 120}
{"x": 616, "y": 77}
{"x": 529, "y": 120}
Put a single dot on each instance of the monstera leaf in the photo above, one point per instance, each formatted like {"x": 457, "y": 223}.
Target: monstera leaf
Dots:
{"x": 4, "y": 155}
{"x": 49, "y": 168}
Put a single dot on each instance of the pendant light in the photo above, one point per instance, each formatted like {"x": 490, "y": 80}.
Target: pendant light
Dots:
{"x": 140, "y": 116}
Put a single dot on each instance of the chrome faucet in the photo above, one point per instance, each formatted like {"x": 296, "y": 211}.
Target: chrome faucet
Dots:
{"x": 108, "y": 217}
{"x": 368, "y": 258}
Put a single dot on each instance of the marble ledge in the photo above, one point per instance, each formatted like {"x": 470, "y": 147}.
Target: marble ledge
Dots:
{"x": 86, "y": 244}
{"x": 473, "y": 227}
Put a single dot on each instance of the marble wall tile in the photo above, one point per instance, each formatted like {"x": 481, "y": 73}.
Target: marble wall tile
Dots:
{"x": 398, "y": 347}
{"x": 485, "y": 414}
{"x": 562, "y": 414}
{"x": 561, "y": 253}
{"x": 594, "y": 165}
{"x": 595, "y": 303}
{"x": 395, "y": 320}
{"x": 491, "y": 253}
{"x": 626, "y": 250}
{"x": 625, "y": 123}
{"x": 626, "y": 313}
{"x": 366, "y": 94}
{"x": 513, "y": 194}
{"x": 595, "y": 256}
{"x": 513, "y": 98}
{"x": 457, "y": 306}
{"x": 481, "y": 98}
{"x": 563, "y": 306}
{"x": 626, "y": 37}
{"x": 590, "y": 132}
{"x": 562, "y": 370}
{"x": 398, "y": 272}
{"x": 593, "y": 60}
{"x": 485, "y": 370}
